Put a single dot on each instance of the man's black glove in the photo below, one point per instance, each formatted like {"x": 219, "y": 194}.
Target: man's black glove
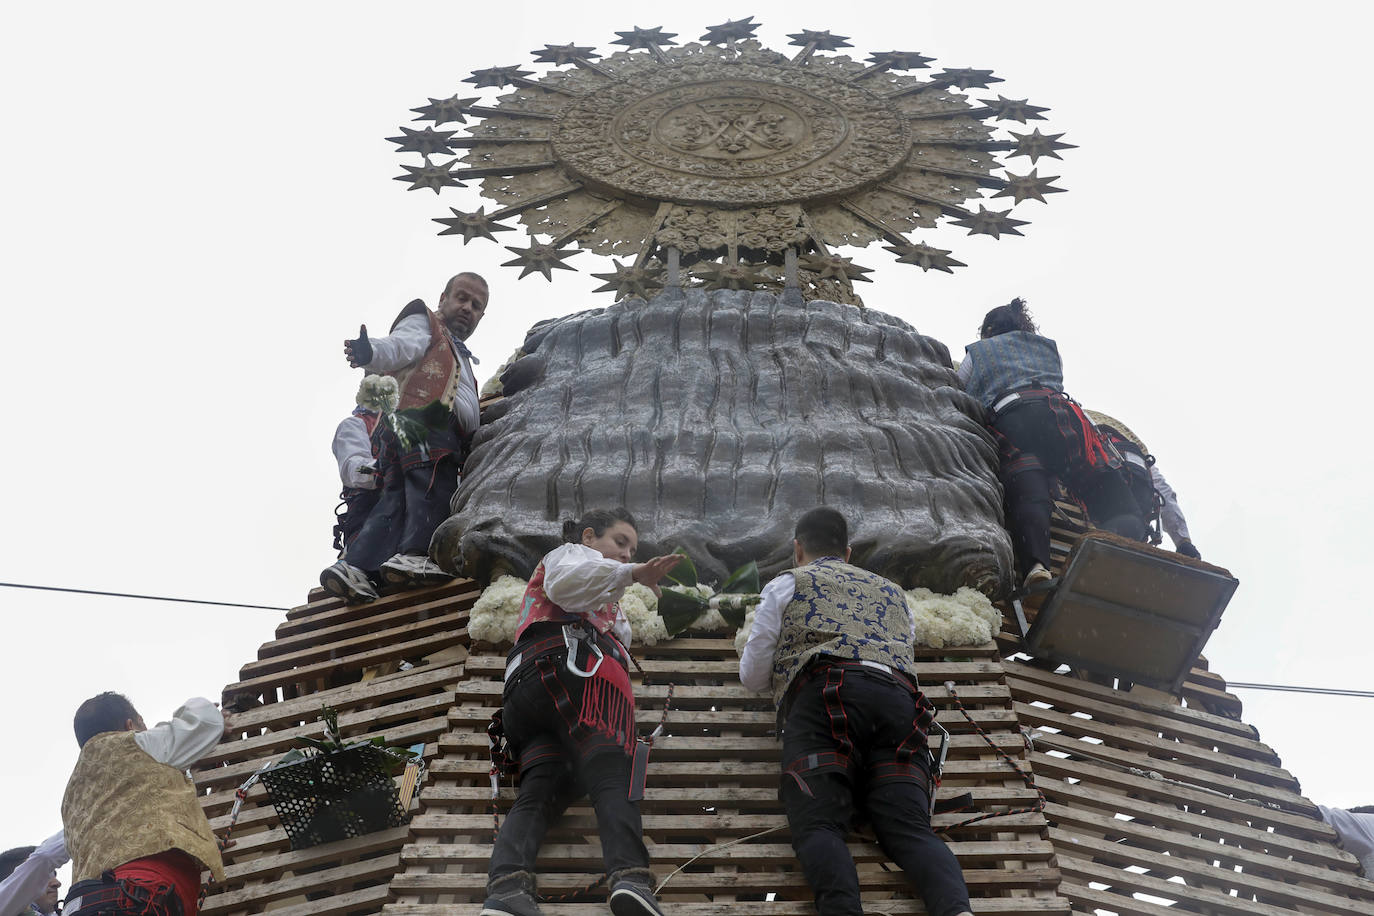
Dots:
{"x": 359, "y": 351}
{"x": 1188, "y": 550}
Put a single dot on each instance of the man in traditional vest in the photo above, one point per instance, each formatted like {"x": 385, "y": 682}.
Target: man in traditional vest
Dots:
{"x": 426, "y": 354}
{"x": 134, "y": 826}
{"x": 834, "y": 644}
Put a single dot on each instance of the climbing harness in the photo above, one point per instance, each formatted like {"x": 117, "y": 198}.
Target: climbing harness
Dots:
{"x": 576, "y": 639}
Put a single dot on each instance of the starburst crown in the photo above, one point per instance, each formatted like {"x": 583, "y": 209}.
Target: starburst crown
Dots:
{"x": 722, "y": 163}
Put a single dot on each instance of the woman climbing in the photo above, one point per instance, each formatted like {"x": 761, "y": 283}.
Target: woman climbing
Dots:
{"x": 1016, "y": 374}
{"x": 568, "y": 713}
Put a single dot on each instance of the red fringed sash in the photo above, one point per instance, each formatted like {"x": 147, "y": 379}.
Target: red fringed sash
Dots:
{"x": 608, "y": 704}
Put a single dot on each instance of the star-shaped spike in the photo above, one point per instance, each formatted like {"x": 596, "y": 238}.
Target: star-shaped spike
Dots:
{"x": 539, "y": 257}
{"x": 426, "y": 142}
{"x": 497, "y": 76}
{"x": 650, "y": 39}
{"x": 899, "y": 60}
{"x": 730, "y": 30}
{"x": 819, "y": 41}
{"x": 730, "y": 276}
{"x": 1036, "y": 144}
{"x": 471, "y": 225}
{"x": 1015, "y": 110}
{"x": 990, "y": 222}
{"x": 631, "y": 281}
{"x": 434, "y": 177}
{"x": 834, "y": 267}
{"x": 925, "y": 257}
{"x": 445, "y": 111}
{"x": 558, "y": 55}
{"x": 1028, "y": 187}
{"x": 968, "y": 78}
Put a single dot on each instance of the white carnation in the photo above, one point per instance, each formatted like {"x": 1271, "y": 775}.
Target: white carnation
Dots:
{"x": 645, "y": 624}
{"x": 378, "y": 393}
{"x": 966, "y": 618}
{"x": 496, "y": 612}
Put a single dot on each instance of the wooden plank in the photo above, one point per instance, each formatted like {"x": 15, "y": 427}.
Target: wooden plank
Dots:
{"x": 1238, "y": 788}
{"x": 1146, "y": 835}
{"x": 367, "y": 900}
{"x": 298, "y": 711}
{"x": 789, "y": 883}
{"x": 376, "y": 720}
{"x": 1152, "y": 744}
{"x": 580, "y": 820}
{"x": 1029, "y": 683}
{"x": 992, "y": 906}
{"x": 307, "y": 674}
{"x": 1302, "y": 837}
{"x": 588, "y": 855}
{"x": 332, "y": 880}
{"x": 1211, "y": 901}
{"x": 677, "y": 747}
{"x": 1245, "y": 882}
{"x": 706, "y": 696}
{"x": 377, "y": 620}
{"x": 355, "y": 644}
{"x": 648, "y": 714}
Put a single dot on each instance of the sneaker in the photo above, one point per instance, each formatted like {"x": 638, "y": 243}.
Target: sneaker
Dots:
{"x": 414, "y": 571}
{"x": 632, "y": 894}
{"x": 1038, "y": 573}
{"x": 511, "y": 895}
{"x": 348, "y": 582}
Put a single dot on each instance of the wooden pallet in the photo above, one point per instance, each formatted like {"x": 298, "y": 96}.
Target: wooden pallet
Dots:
{"x": 1111, "y": 831}
{"x": 349, "y": 658}
{"x": 713, "y": 781}
{"x": 1145, "y": 793}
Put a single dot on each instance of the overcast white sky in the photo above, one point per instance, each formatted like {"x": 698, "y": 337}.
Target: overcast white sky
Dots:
{"x": 197, "y": 208}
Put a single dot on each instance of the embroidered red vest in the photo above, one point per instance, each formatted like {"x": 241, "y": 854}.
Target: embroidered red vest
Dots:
{"x": 438, "y": 373}
{"x": 537, "y": 608}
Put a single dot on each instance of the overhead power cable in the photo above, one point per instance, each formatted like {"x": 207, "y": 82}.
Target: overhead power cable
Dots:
{"x": 1328, "y": 691}
{"x": 87, "y": 591}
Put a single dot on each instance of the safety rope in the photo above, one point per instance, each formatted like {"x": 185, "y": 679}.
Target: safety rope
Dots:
{"x": 716, "y": 848}
{"x": 1026, "y": 777}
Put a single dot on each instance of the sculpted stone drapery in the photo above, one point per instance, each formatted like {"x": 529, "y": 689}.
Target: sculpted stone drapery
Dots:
{"x": 718, "y": 417}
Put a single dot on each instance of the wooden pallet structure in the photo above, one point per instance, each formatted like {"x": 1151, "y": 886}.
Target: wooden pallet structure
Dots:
{"x": 1154, "y": 804}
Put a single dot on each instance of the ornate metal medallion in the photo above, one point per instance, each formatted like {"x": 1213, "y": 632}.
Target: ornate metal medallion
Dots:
{"x": 738, "y": 164}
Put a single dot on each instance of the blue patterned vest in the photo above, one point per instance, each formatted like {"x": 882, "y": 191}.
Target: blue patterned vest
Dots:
{"x": 1006, "y": 362}
{"x": 845, "y": 612}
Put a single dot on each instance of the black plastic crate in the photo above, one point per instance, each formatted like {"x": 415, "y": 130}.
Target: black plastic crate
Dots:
{"x": 333, "y": 796}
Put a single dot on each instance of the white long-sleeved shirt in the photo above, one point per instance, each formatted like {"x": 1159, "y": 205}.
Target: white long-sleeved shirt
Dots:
{"x": 193, "y": 732}
{"x": 756, "y": 662}
{"x": 30, "y": 879}
{"x": 1170, "y": 515}
{"x": 353, "y": 451}
{"x": 404, "y": 346}
{"x": 580, "y": 580}
{"x": 1356, "y": 833}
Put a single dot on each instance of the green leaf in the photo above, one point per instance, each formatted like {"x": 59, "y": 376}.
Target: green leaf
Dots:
{"x": 679, "y": 610}
{"x": 744, "y": 580}
{"x": 685, "y": 572}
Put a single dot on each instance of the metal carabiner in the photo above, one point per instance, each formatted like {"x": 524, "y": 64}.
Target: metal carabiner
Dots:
{"x": 571, "y": 637}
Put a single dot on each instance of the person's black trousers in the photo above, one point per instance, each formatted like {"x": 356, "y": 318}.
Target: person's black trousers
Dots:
{"x": 556, "y": 767}
{"x": 874, "y": 714}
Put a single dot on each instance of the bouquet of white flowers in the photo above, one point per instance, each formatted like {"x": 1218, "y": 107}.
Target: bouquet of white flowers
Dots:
{"x": 381, "y": 395}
